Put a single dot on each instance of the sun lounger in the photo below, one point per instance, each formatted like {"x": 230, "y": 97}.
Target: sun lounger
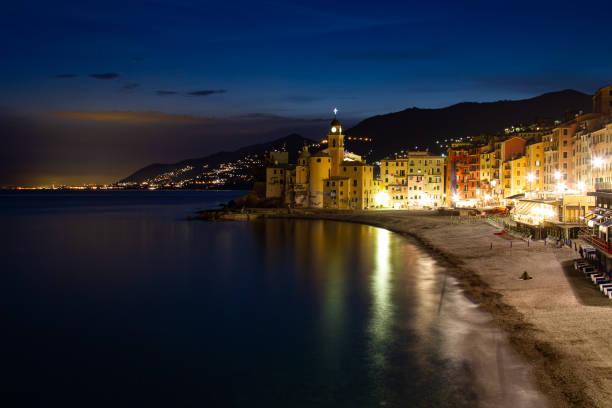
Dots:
{"x": 601, "y": 279}
{"x": 607, "y": 290}
{"x": 578, "y": 265}
{"x": 604, "y": 285}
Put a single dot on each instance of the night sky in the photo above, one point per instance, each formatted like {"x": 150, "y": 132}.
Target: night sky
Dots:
{"x": 93, "y": 91}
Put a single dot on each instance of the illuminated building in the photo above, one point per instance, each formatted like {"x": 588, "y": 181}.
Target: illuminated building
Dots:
{"x": 517, "y": 169}
{"x": 330, "y": 178}
{"x": 415, "y": 179}
{"x": 548, "y": 213}
{"x": 534, "y": 153}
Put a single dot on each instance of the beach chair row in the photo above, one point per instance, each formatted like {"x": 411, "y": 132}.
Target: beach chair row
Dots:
{"x": 601, "y": 280}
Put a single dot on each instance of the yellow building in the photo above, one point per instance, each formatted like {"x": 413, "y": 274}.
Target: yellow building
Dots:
{"x": 319, "y": 165}
{"x": 535, "y": 166}
{"x": 515, "y": 176}
{"x": 330, "y": 178}
{"x": 414, "y": 179}
{"x": 354, "y": 188}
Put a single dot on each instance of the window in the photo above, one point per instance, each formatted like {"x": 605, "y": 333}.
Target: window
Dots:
{"x": 333, "y": 184}
{"x": 565, "y": 165}
{"x": 565, "y": 142}
{"x": 565, "y": 155}
{"x": 318, "y": 160}
{"x": 354, "y": 183}
{"x": 328, "y": 184}
{"x": 341, "y": 183}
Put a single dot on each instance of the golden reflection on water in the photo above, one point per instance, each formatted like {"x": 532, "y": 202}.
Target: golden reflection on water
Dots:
{"x": 369, "y": 284}
{"x": 382, "y": 311}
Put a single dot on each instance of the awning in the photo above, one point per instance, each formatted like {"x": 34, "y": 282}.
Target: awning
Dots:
{"x": 516, "y": 196}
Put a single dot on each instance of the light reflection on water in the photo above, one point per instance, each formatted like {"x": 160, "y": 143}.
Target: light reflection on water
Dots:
{"x": 274, "y": 313}
{"x": 382, "y": 313}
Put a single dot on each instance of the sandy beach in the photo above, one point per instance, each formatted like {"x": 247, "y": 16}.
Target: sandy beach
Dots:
{"x": 557, "y": 321}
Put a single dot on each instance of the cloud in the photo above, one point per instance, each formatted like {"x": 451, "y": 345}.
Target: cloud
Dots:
{"x": 64, "y": 76}
{"x": 129, "y": 117}
{"x": 165, "y": 93}
{"x": 207, "y": 92}
{"x": 130, "y": 86}
{"x": 107, "y": 75}
{"x": 270, "y": 117}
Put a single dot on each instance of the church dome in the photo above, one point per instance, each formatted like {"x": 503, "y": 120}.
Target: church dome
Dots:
{"x": 335, "y": 122}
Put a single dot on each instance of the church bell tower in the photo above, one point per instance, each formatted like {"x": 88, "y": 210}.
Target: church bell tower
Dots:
{"x": 335, "y": 144}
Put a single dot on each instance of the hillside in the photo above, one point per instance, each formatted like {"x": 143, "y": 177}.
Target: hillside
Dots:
{"x": 422, "y": 127}
{"x": 223, "y": 169}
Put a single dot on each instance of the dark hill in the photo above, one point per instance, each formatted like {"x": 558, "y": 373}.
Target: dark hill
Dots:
{"x": 242, "y": 161}
{"x": 422, "y": 127}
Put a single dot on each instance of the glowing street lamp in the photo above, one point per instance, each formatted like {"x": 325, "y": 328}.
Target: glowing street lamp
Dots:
{"x": 557, "y": 175}
{"x": 598, "y": 162}
{"x": 581, "y": 186}
{"x": 530, "y": 179}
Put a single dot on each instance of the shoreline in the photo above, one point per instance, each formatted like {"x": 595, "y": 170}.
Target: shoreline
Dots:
{"x": 551, "y": 324}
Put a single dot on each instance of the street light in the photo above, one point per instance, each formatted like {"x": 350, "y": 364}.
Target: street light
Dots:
{"x": 598, "y": 162}
{"x": 530, "y": 179}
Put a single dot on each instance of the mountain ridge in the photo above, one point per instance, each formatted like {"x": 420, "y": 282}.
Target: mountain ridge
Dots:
{"x": 426, "y": 125}
{"x": 395, "y": 131}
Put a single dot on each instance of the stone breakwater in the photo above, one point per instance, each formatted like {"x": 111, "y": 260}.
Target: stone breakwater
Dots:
{"x": 556, "y": 321}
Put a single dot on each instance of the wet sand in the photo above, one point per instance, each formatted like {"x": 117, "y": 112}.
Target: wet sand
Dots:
{"x": 558, "y": 321}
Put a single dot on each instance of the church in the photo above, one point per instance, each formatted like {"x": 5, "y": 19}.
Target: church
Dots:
{"x": 329, "y": 178}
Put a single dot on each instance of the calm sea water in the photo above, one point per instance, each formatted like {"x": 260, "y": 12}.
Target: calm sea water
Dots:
{"x": 111, "y": 298}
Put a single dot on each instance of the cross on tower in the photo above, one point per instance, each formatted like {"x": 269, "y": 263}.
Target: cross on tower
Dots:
{"x": 335, "y": 111}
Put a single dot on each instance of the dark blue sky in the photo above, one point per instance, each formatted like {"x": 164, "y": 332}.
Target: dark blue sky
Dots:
{"x": 261, "y": 68}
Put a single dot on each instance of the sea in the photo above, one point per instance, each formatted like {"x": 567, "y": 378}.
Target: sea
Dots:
{"x": 113, "y": 298}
